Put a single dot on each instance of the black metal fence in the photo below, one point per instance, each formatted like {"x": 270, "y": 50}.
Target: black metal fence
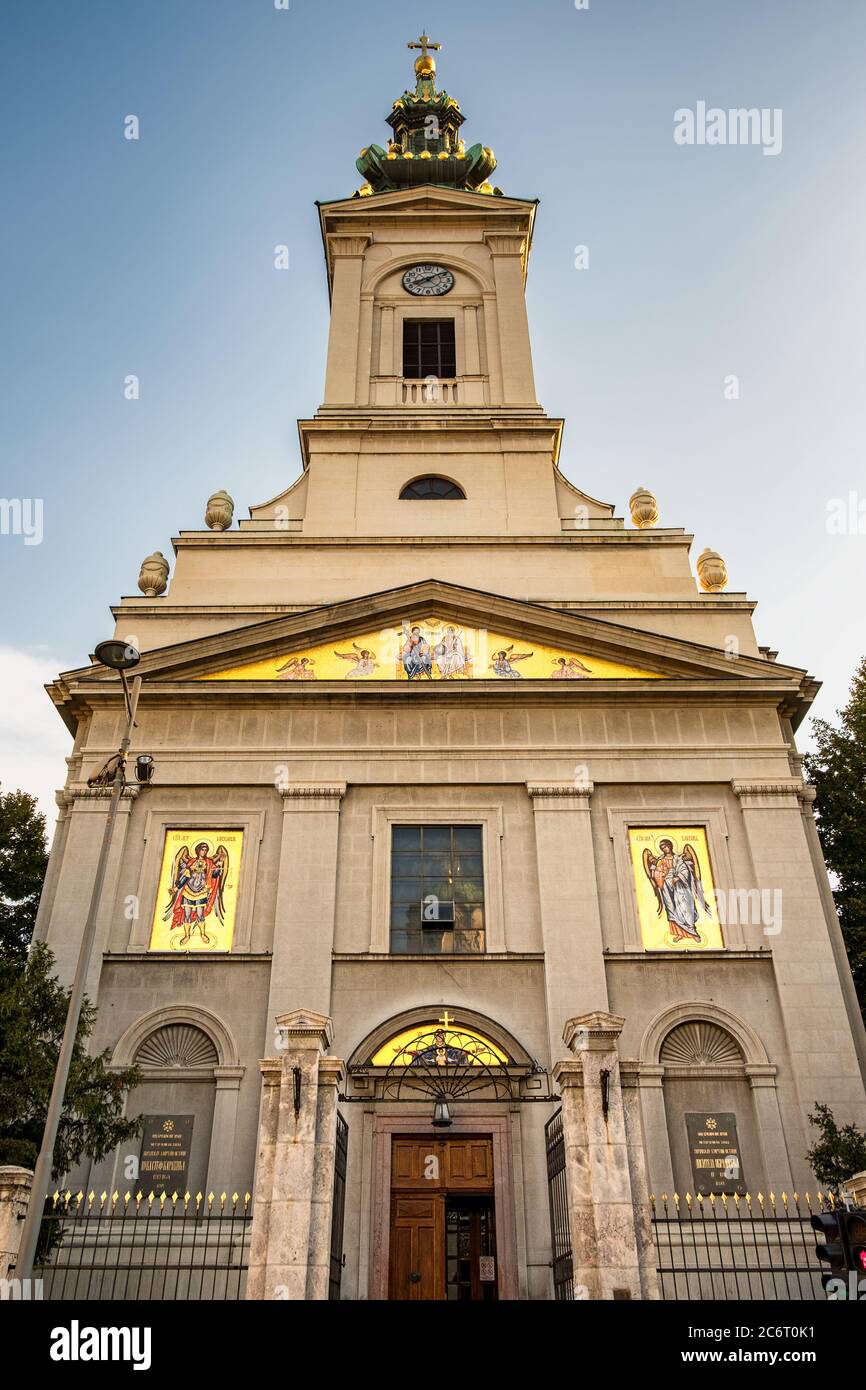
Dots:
{"x": 560, "y": 1230}
{"x": 145, "y": 1247}
{"x": 760, "y": 1247}
{"x": 338, "y": 1209}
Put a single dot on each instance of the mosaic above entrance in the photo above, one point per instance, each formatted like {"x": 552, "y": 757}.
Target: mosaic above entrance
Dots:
{"x": 432, "y": 649}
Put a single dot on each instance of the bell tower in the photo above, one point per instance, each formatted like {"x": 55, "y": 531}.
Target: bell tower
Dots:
{"x": 429, "y": 367}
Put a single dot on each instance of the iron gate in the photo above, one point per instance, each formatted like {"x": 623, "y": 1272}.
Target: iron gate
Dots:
{"x": 560, "y": 1230}
{"x": 134, "y": 1247}
{"x": 747, "y": 1247}
{"x": 338, "y": 1209}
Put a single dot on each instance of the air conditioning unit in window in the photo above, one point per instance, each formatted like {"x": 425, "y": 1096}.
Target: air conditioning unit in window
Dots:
{"x": 437, "y": 914}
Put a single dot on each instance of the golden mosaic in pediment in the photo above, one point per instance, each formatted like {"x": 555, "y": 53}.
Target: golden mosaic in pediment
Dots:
{"x": 431, "y": 649}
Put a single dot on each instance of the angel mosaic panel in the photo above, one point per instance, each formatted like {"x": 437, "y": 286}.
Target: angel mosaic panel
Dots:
{"x": 676, "y": 897}
{"x": 196, "y": 901}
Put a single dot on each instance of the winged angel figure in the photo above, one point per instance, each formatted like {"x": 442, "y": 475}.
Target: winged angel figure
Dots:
{"x": 197, "y": 883}
{"x": 363, "y": 661}
{"x": 676, "y": 881}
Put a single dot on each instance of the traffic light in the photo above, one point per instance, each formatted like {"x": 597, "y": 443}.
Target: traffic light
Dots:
{"x": 844, "y": 1244}
{"x": 855, "y": 1233}
{"x": 834, "y": 1249}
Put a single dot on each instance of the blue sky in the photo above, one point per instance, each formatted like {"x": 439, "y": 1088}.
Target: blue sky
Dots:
{"x": 155, "y": 257}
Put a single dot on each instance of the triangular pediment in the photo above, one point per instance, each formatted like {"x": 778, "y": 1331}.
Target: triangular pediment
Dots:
{"x": 464, "y": 636}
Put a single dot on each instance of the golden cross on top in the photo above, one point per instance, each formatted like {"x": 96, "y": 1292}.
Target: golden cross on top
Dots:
{"x": 445, "y": 1019}
{"x": 425, "y": 45}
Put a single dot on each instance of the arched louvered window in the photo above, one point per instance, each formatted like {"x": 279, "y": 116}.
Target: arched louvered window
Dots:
{"x": 431, "y": 488}
{"x": 700, "y": 1044}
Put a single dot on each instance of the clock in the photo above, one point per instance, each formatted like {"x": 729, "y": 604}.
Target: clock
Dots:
{"x": 428, "y": 279}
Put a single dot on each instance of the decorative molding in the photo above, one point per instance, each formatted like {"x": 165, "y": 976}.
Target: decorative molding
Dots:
{"x": 770, "y": 795}
{"x": 551, "y": 796}
{"x": 129, "y": 793}
{"x": 312, "y": 796}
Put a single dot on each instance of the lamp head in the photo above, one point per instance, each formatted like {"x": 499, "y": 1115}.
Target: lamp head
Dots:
{"x": 118, "y": 656}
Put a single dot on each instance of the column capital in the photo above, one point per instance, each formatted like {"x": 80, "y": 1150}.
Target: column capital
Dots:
{"x": 760, "y": 1074}
{"x": 305, "y": 1028}
{"x": 567, "y": 1074}
{"x": 332, "y": 1071}
{"x": 505, "y": 243}
{"x": 594, "y": 1032}
{"x": 312, "y": 796}
{"x": 349, "y": 246}
{"x": 779, "y": 794}
{"x": 228, "y": 1078}
{"x": 561, "y": 796}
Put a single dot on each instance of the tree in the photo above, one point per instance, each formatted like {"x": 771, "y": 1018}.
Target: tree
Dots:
{"x": 23, "y": 859}
{"x": 838, "y": 770}
{"x": 33, "y": 1008}
{"x": 838, "y": 1153}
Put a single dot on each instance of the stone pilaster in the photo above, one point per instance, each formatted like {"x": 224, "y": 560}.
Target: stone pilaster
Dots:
{"x": 568, "y": 895}
{"x": 295, "y": 1171}
{"x": 638, "y": 1171}
{"x": 507, "y": 251}
{"x": 347, "y": 254}
{"x": 225, "y": 1117}
{"x": 605, "y": 1244}
{"x": 824, "y": 1064}
{"x": 306, "y": 897}
{"x": 331, "y": 1076}
{"x": 15, "y": 1189}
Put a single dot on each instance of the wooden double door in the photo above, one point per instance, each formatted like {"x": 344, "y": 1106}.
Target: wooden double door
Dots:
{"x": 443, "y": 1220}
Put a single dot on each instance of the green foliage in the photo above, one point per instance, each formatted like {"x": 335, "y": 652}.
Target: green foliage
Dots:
{"x": 838, "y": 770}
{"x": 33, "y": 1008}
{"x": 838, "y": 1153}
{"x": 23, "y": 859}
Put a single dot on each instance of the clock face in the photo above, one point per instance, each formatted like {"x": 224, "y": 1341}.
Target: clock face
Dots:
{"x": 428, "y": 279}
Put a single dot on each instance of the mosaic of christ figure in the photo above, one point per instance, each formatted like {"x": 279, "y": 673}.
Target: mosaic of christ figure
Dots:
{"x": 417, "y": 655}
{"x": 676, "y": 881}
{"x": 451, "y": 656}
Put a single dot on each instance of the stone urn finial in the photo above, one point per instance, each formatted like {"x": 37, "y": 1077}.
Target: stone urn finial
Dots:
{"x": 219, "y": 511}
{"x": 712, "y": 571}
{"x": 153, "y": 575}
{"x": 644, "y": 508}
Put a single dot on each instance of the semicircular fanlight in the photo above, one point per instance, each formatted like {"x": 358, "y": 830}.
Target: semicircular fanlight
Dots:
{"x": 700, "y": 1044}
{"x": 177, "y": 1045}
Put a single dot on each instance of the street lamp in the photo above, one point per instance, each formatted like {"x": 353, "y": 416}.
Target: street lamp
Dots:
{"x": 121, "y": 657}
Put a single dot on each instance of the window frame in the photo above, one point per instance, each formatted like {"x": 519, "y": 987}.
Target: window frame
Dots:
{"x": 490, "y": 819}
{"x": 425, "y": 876}
{"x": 435, "y": 370}
{"x": 432, "y": 497}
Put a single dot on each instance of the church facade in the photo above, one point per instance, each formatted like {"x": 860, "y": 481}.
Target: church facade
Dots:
{"x": 476, "y": 897}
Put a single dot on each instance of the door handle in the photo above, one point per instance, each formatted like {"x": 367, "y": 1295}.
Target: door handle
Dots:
{"x": 414, "y": 1277}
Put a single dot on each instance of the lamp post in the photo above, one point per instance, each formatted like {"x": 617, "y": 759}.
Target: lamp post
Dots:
{"x": 119, "y": 656}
